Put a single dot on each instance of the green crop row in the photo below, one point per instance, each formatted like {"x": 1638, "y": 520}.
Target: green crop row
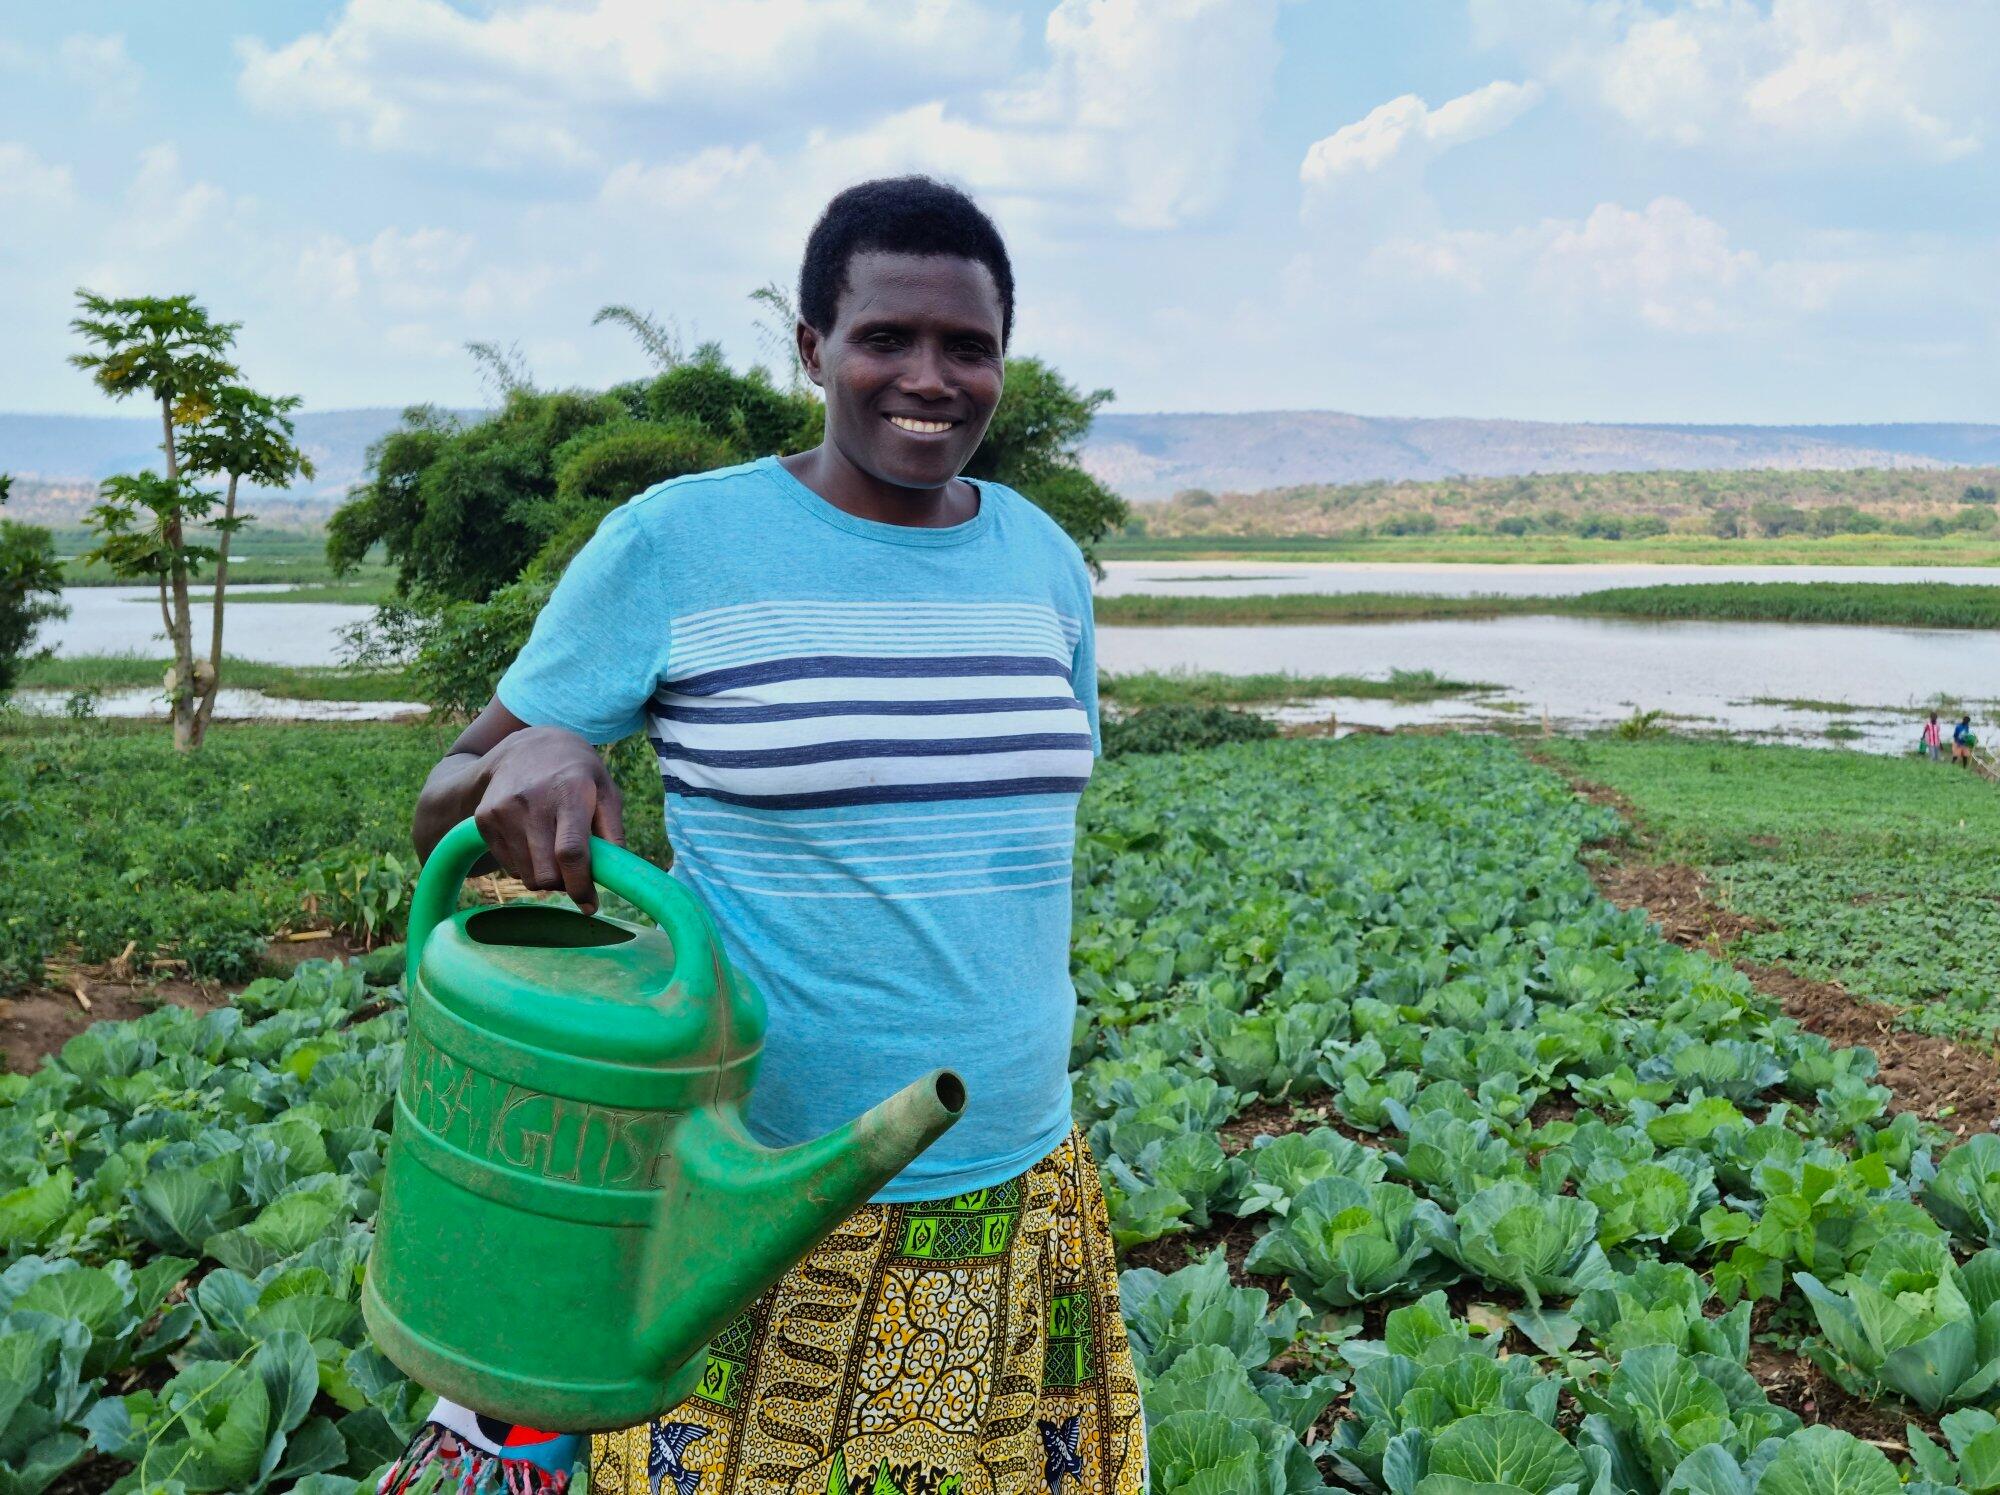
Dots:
{"x": 1481, "y": 1075}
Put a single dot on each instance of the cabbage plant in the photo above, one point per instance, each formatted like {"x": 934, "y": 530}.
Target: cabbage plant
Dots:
{"x": 1275, "y": 1170}
{"x": 1914, "y": 1321}
{"x": 1965, "y": 1195}
{"x": 1812, "y": 1461}
{"x": 1972, "y": 1435}
{"x": 1345, "y": 1242}
{"x": 1166, "y": 1315}
{"x": 1659, "y": 1405}
{"x": 1541, "y": 1246}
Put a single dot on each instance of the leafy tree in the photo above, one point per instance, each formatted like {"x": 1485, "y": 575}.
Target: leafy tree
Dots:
{"x": 1031, "y": 446}
{"x": 170, "y": 349}
{"x": 239, "y": 436}
{"x": 30, "y": 589}
{"x": 479, "y": 519}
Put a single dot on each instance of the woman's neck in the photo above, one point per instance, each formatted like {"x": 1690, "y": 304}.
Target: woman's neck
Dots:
{"x": 826, "y": 471}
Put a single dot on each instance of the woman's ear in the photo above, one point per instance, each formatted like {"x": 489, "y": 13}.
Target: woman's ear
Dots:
{"x": 808, "y": 339}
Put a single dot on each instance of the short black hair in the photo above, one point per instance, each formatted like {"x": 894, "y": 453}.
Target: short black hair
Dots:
{"x": 898, "y": 215}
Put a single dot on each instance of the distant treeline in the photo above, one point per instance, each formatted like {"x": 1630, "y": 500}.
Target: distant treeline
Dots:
{"x": 1602, "y": 505}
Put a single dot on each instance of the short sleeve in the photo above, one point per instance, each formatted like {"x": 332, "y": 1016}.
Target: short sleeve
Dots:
{"x": 1083, "y": 678}
{"x": 599, "y": 646}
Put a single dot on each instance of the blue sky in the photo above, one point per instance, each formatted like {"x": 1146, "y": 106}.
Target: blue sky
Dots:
{"x": 1551, "y": 209}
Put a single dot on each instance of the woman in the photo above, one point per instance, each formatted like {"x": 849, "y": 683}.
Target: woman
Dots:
{"x": 871, "y": 685}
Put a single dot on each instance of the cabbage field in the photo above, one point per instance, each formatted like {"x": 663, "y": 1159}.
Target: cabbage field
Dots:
{"x": 1447, "y": 1178}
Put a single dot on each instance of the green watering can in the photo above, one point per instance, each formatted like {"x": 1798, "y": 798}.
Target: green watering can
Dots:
{"x": 571, "y": 1208}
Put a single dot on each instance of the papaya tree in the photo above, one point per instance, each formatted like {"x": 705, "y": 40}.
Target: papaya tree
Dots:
{"x": 239, "y": 436}
{"x": 169, "y": 349}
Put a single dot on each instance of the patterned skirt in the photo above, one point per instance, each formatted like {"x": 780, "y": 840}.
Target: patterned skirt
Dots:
{"x": 967, "y": 1346}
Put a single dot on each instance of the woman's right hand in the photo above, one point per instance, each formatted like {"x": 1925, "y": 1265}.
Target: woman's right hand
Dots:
{"x": 538, "y": 794}
{"x": 545, "y": 793}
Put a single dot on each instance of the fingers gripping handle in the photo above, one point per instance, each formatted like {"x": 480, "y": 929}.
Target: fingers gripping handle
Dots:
{"x": 633, "y": 878}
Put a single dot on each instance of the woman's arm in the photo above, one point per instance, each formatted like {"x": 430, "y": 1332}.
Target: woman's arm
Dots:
{"x": 538, "y": 794}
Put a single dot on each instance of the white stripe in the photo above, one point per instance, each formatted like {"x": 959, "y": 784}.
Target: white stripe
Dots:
{"x": 710, "y": 853}
{"x": 879, "y": 688}
{"x": 770, "y": 817}
{"x": 856, "y": 773}
{"x": 700, "y": 659}
{"x": 1026, "y": 830}
{"x": 807, "y": 606}
{"x": 800, "y": 731}
{"x": 1004, "y": 887}
{"x": 898, "y": 876}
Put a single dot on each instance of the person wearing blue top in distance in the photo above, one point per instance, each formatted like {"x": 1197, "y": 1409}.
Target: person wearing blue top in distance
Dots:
{"x": 871, "y": 687}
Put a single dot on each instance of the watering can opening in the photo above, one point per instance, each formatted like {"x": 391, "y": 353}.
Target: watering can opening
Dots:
{"x": 950, "y": 1091}
{"x": 540, "y": 927}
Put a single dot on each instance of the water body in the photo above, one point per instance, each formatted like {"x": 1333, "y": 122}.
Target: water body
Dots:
{"x": 1465, "y": 579}
{"x": 1592, "y": 672}
{"x": 126, "y": 620}
{"x": 231, "y": 705}
{"x": 1580, "y": 671}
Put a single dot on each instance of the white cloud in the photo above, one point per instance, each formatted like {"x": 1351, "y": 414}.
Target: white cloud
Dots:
{"x": 1667, "y": 264}
{"x": 1139, "y": 115}
{"x": 1896, "y": 77}
{"x": 102, "y": 68}
{"x": 29, "y": 184}
{"x": 1406, "y": 133}
{"x": 536, "y": 80}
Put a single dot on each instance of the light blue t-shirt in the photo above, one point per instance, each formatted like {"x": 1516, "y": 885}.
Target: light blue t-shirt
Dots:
{"x": 873, "y": 738}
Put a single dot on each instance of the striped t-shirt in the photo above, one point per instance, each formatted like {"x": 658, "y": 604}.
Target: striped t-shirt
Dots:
{"x": 872, "y": 738}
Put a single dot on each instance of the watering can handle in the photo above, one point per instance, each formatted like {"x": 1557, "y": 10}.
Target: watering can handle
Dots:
{"x": 632, "y": 878}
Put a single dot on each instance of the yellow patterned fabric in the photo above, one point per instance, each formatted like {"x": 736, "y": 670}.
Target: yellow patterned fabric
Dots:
{"x": 966, "y": 1346}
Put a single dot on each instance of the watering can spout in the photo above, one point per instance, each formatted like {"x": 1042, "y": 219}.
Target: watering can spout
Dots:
{"x": 735, "y": 1216}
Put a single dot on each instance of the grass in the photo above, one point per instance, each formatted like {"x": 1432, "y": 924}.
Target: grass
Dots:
{"x": 1152, "y": 688}
{"x": 1880, "y": 873}
{"x": 1561, "y": 550}
{"x": 109, "y": 672}
{"x": 108, "y": 835}
{"x": 1882, "y": 604}
{"x": 364, "y": 590}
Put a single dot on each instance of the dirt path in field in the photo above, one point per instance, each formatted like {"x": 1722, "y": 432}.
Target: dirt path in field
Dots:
{"x": 1954, "y": 1084}
{"x": 38, "y": 1022}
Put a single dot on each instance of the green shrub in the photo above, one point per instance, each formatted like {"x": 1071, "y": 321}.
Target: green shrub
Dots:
{"x": 1181, "y": 729}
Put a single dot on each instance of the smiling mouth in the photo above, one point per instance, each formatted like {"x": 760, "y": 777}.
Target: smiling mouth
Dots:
{"x": 918, "y": 427}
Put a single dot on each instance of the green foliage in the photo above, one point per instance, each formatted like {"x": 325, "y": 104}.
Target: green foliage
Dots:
{"x": 1914, "y": 1321}
{"x": 1167, "y": 1316}
{"x": 1181, "y": 729}
{"x": 242, "y": 1148}
{"x": 1343, "y": 1242}
{"x": 1404, "y": 921}
{"x": 30, "y": 592}
{"x": 1870, "y": 871}
{"x": 1973, "y": 1463}
{"x": 199, "y": 858}
{"x": 1965, "y": 1195}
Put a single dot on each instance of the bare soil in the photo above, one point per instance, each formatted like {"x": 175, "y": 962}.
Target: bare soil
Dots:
{"x": 38, "y": 1022}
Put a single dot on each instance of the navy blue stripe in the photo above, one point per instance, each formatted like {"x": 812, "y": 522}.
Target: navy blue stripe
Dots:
{"x": 879, "y": 794}
{"x": 895, "y": 667}
{"x": 866, "y": 747}
{"x": 798, "y": 710}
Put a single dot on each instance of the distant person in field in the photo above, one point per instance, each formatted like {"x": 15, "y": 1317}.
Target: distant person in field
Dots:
{"x": 1933, "y": 738}
{"x": 1961, "y": 742}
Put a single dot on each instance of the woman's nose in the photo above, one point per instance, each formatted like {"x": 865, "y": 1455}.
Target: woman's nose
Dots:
{"x": 924, "y": 374}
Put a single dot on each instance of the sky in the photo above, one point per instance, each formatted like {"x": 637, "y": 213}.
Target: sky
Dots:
{"x": 1546, "y": 209}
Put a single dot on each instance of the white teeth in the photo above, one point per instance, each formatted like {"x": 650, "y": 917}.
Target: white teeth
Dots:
{"x": 921, "y": 427}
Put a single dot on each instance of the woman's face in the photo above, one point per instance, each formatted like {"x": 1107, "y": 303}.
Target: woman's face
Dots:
{"x": 911, "y": 367}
